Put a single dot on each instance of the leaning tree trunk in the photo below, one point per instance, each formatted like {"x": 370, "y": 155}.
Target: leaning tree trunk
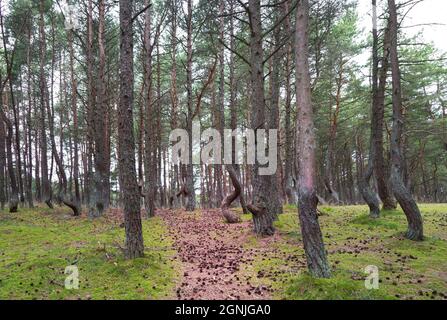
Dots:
{"x": 305, "y": 153}
{"x": 126, "y": 141}
{"x": 62, "y": 196}
{"x": 402, "y": 194}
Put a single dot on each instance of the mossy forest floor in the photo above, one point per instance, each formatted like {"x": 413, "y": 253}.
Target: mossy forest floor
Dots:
{"x": 198, "y": 256}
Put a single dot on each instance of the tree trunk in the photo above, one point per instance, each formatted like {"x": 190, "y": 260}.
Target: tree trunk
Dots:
{"x": 189, "y": 177}
{"x": 62, "y": 196}
{"x": 233, "y": 106}
{"x": 46, "y": 188}
{"x": 74, "y": 111}
{"x": 149, "y": 124}
{"x": 173, "y": 201}
{"x": 263, "y": 207}
{"x": 29, "y": 173}
{"x": 329, "y": 180}
{"x": 14, "y": 196}
{"x": 273, "y": 122}
{"x": 363, "y": 182}
{"x": 99, "y": 198}
{"x": 380, "y": 165}
{"x": 126, "y": 141}
{"x": 402, "y": 194}
{"x": 305, "y": 153}
{"x": 91, "y": 93}
{"x": 368, "y": 195}
{"x": 289, "y": 177}
{"x": 230, "y": 216}
{"x": 2, "y": 164}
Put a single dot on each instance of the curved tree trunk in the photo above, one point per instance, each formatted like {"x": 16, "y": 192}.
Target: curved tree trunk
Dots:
{"x": 363, "y": 182}
{"x": 233, "y": 107}
{"x": 402, "y": 194}
{"x": 62, "y": 196}
{"x": 230, "y": 216}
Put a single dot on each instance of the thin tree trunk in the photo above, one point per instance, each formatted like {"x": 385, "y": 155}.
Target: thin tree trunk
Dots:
{"x": 380, "y": 164}
{"x": 98, "y": 198}
{"x": 46, "y": 188}
{"x": 149, "y": 123}
{"x": 368, "y": 195}
{"x": 233, "y": 106}
{"x": 29, "y": 186}
{"x": 74, "y": 111}
{"x": 330, "y": 156}
{"x": 289, "y": 177}
{"x": 14, "y": 196}
{"x": 273, "y": 122}
{"x": 173, "y": 201}
{"x": 189, "y": 177}
{"x": 91, "y": 93}
{"x": 2, "y": 164}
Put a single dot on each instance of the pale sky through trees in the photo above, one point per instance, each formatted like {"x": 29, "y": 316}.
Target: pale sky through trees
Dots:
{"x": 424, "y": 13}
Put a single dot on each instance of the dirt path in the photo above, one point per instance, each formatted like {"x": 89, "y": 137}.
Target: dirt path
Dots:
{"x": 212, "y": 255}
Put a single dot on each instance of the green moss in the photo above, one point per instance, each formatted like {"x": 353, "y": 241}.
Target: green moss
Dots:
{"x": 37, "y": 245}
{"x": 336, "y": 288}
{"x": 407, "y": 269}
